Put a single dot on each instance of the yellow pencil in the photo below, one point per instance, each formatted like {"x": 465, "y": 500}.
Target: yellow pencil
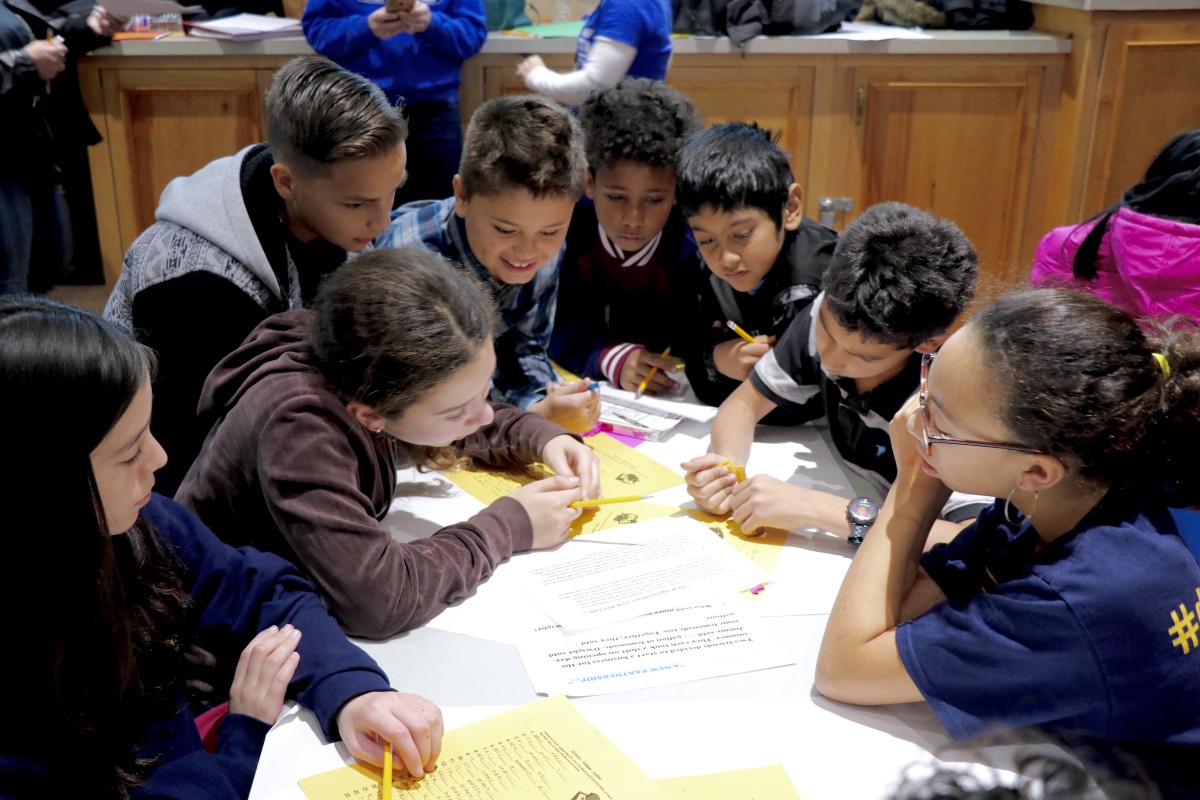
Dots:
{"x": 733, "y": 326}
{"x": 385, "y": 788}
{"x": 653, "y": 371}
{"x": 49, "y": 38}
{"x": 604, "y": 501}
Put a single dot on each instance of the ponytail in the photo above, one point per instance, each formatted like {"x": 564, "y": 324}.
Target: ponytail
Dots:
{"x": 1082, "y": 380}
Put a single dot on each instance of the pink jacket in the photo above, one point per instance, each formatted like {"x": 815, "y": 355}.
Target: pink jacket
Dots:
{"x": 1147, "y": 266}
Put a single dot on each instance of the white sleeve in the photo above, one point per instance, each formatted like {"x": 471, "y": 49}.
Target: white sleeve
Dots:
{"x": 607, "y": 63}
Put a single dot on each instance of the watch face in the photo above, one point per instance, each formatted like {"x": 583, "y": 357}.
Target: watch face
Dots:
{"x": 862, "y": 510}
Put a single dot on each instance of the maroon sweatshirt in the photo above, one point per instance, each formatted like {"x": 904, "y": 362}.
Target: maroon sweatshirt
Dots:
{"x": 288, "y": 469}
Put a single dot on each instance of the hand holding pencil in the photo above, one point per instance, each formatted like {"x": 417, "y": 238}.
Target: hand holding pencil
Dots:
{"x": 641, "y": 389}
{"x": 548, "y": 504}
{"x": 49, "y": 56}
{"x": 735, "y": 359}
{"x": 645, "y": 365}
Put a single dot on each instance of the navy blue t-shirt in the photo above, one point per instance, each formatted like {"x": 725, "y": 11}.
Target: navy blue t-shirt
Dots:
{"x": 1095, "y": 635}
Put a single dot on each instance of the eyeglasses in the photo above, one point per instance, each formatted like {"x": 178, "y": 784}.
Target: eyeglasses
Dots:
{"x": 929, "y": 438}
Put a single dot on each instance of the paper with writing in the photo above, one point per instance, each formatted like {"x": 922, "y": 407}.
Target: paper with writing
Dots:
{"x": 546, "y": 749}
{"x": 623, "y": 471}
{"x": 671, "y": 646}
{"x": 672, "y": 559}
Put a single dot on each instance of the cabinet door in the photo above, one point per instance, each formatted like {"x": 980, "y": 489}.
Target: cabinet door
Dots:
{"x": 163, "y": 123}
{"x": 778, "y": 97}
{"x": 954, "y": 140}
{"x": 1149, "y": 91}
{"x": 502, "y": 79}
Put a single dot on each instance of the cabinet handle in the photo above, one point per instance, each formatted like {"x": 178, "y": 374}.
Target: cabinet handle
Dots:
{"x": 860, "y": 106}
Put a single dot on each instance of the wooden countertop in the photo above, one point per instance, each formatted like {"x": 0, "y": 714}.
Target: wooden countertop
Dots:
{"x": 1121, "y": 5}
{"x": 938, "y": 42}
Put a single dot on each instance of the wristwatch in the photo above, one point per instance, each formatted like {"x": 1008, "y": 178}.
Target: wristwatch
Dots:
{"x": 861, "y": 514}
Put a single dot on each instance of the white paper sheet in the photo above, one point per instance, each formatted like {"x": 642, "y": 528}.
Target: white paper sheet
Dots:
{"x": 685, "y": 405}
{"x": 127, "y": 8}
{"x": 649, "y": 566}
{"x": 671, "y": 646}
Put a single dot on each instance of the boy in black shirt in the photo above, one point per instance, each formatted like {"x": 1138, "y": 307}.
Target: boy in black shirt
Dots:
{"x": 899, "y": 279}
{"x": 764, "y": 258}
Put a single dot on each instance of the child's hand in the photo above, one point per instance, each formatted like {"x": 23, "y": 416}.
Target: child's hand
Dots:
{"x": 417, "y": 20}
{"x": 735, "y": 358}
{"x": 709, "y": 483}
{"x": 548, "y": 504}
{"x": 50, "y": 58}
{"x": 906, "y": 448}
{"x": 385, "y": 24}
{"x": 412, "y": 724}
{"x": 104, "y": 23}
{"x": 764, "y": 502}
{"x": 572, "y": 405}
{"x": 568, "y": 456}
{"x": 638, "y": 365}
{"x": 529, "y": 65}
{"x": 263, "y": 673}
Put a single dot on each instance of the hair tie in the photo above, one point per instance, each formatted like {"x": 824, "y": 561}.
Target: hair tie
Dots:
{"x": 1162, "y": 364}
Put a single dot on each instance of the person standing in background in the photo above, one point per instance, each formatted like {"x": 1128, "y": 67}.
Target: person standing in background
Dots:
{"x": 415, "y": 55}
{"x": 1142, "y": 254}
{"x": 44, "y": 136}
{"x": 619, "y": 38}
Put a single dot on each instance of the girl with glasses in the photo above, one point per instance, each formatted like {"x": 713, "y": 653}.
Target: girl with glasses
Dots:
{"x": 1072, "y": 604}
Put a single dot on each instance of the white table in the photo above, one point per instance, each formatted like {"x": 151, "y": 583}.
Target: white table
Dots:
{"x": 832, "y": 751}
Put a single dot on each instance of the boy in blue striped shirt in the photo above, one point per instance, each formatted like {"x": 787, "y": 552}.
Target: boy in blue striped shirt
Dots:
{"x": 523, "y": 168}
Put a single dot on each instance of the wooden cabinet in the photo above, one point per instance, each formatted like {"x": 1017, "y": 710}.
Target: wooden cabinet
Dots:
{"x": 1132, "y": 81}
{"x": 965, "y": 138}
{"x": 773, "y": 91}
{"x": 959, "y": 141}
{"x": 158, "y": 124}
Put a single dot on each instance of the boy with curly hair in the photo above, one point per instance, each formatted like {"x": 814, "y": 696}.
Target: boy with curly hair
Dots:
{"x": 899, "y": 279}
{"x": 521, "y": 173}
{"x": 628, "y": 241}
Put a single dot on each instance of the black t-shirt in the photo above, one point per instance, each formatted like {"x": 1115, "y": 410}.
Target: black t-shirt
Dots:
{"x": 790, "y": 376}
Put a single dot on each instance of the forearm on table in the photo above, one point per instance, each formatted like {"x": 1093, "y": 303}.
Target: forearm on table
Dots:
{"x": 733, "y": 428}
{"x": 858, "y": 661}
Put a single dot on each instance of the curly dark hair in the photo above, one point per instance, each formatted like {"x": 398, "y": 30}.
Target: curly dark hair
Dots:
{"x": 733, "y": 166}
{"x": 1079, "y": 379}
{"x": 637, "y": 120}
{"x": 524, "y": 142}
{"x": 900, "y": 276}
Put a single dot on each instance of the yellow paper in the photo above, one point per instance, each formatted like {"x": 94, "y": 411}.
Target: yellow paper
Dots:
{"x": 604, "y": 517}
{"x": 762, "y": 550}
{"x": 544, "y": 749}
{"x": 759, "y": 783}
{"x": 623, "y": 471}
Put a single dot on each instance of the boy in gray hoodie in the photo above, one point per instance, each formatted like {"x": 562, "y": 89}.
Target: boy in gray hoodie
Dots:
{"x": 253, "y": 234}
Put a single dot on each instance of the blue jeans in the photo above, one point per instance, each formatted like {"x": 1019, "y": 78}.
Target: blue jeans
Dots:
{"x": 435, "y": 141}
{"x": 34, "y": 234}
